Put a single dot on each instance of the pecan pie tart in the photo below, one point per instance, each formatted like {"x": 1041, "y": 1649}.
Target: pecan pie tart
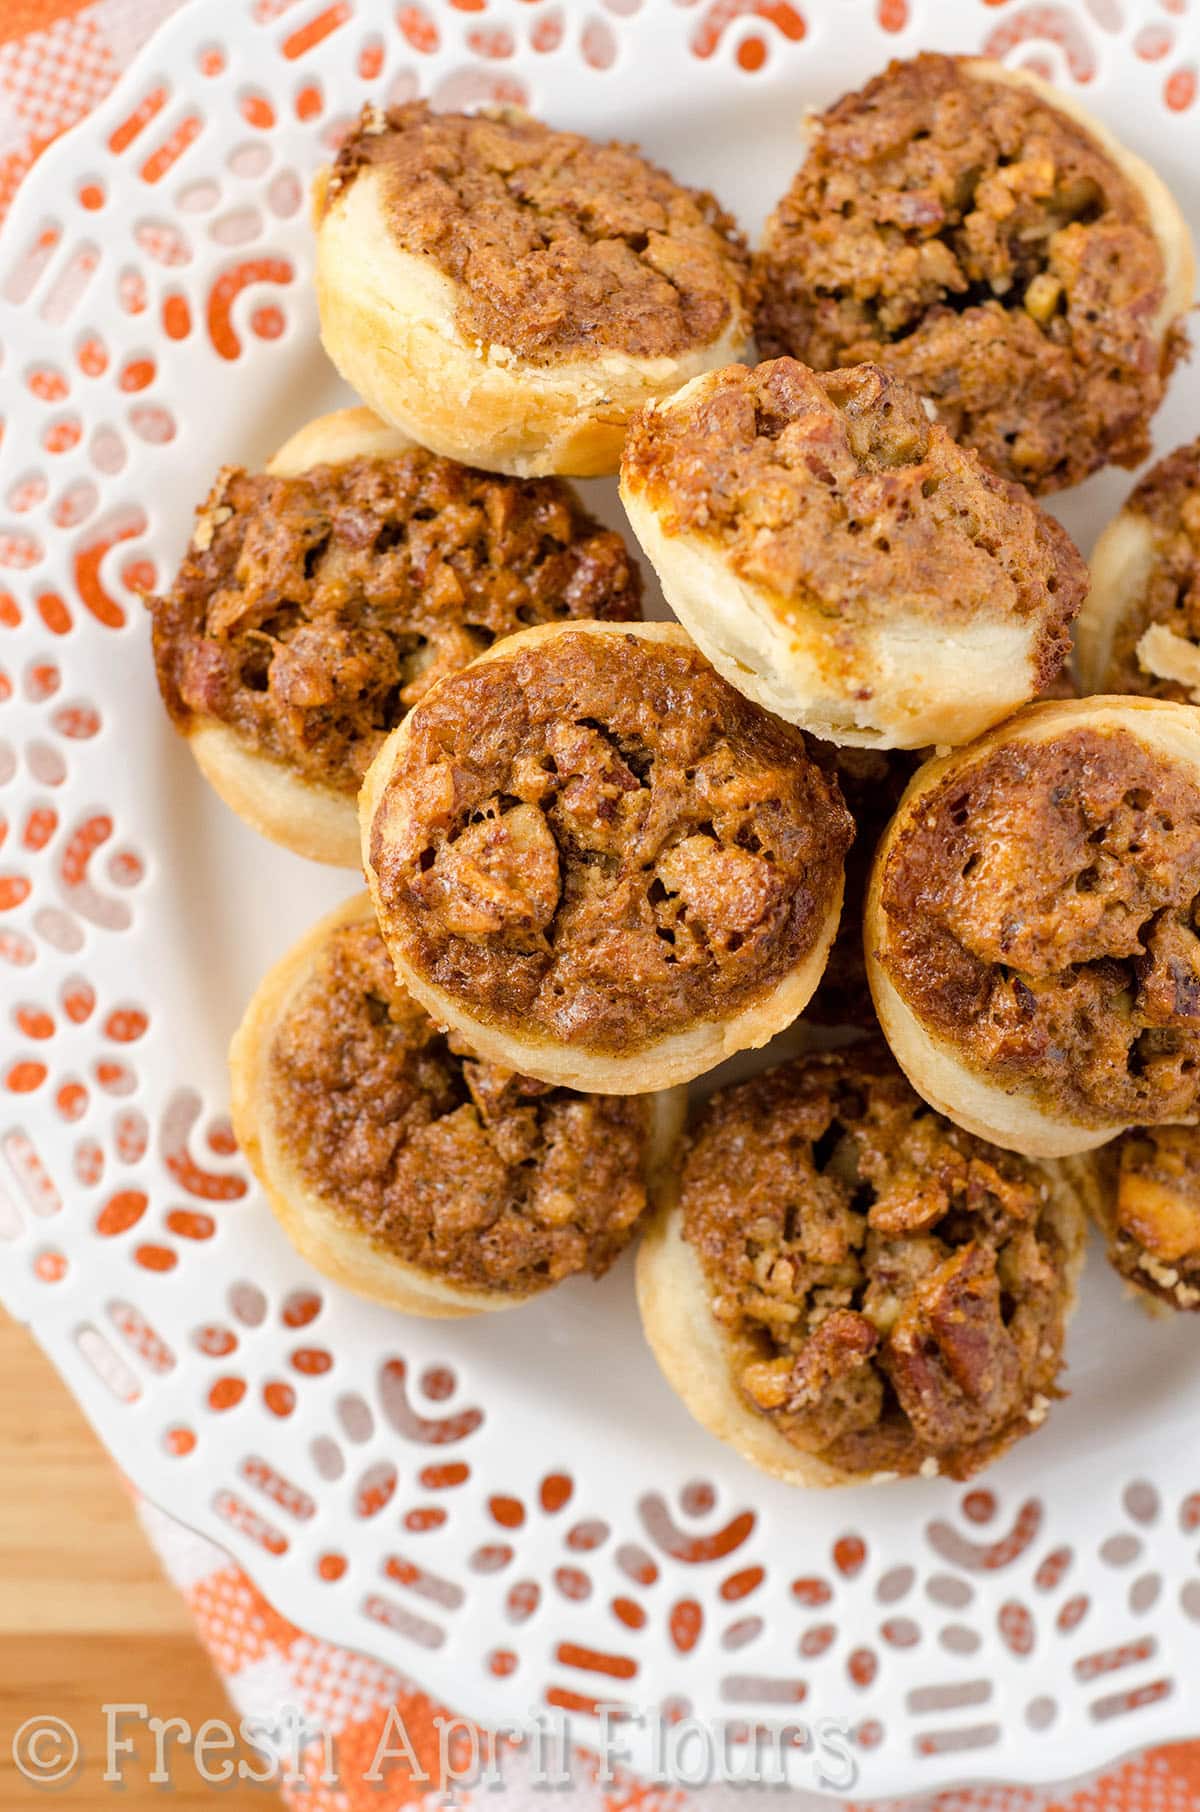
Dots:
{"x": 1031, "y": 936}
{"x": 407, "y": 1168}
{"x": 979, "y": 233}
{"x": 509, "y": 294}
{"x": 842, "y": 561}
{"x": 847, "y": 1287}
{"x": 600, "y": 864}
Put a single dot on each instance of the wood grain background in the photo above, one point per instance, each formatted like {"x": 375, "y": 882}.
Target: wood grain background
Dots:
{"x": 86, "y": 1617}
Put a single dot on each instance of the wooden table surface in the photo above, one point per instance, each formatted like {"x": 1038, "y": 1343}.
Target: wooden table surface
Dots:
{"x": 86, "y": 1617}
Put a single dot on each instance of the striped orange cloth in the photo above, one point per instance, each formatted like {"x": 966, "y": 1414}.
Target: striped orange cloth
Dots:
{"x": 383, "y": 1736}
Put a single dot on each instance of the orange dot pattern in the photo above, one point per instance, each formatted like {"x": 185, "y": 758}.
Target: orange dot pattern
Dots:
{"x": 691, "y": 1568}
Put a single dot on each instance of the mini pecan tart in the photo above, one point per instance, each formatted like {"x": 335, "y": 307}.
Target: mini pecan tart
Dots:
{"x": 410, "y": 1170}
{"x": 599, "y": 863}
{"x": 978, "y": 232}
{"x": 320, "y": 599}
{"x": 847, "y": 1287}
{"x": 1031, "y": 929}
{"x": 842, "y": 561}
{"x": 1139, "y": 631}
{"x": 509, "y": 294}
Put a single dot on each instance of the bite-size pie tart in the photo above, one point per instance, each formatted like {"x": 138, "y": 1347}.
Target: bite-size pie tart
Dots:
{"x": 320, "y": 599}
{"x": 408, "y": 1169}
{"x": 1031, "y": 931}
{"x": 599, "y": 863}
{"x": 842, "y": 561}
{"x": 847, "y": 1287}
{"x": 510, "y": 294}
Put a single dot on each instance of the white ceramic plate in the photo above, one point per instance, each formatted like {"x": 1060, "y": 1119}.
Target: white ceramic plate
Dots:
{"x": 516, "y": 1511}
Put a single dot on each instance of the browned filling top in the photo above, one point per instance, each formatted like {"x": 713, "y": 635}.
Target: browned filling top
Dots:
{"x": 484, "y": 1178}
{"x": 560, "y": 245}
{"x": 597, "y": 841}
{"x": 1168, "y": 498}
{"x": 1041, "y": 917}
{"x": 1153, "y": 1176}
{"x": 310, "y": 613}
{"x": 982, "y": 244}
{"x": 893, "y": 1291}
{"x": 838, "y": 494}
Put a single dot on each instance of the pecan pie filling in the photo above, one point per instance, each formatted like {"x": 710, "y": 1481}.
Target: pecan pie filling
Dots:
{"x": 834, "y": 490}
{"x": 982, "y": 244}
{"x": 487, "y": 1179}
{"x": 560, "y": 245}
{"x": 893, "y": 1292}
{"x": 1156, "y": 646}
{"x": 311, "y": 612}
{"x": 1042, "y": 915}
{"x": 598, "y": 839}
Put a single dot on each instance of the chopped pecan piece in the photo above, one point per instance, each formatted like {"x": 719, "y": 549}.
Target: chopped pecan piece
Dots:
{"x": 952, "y": 1361}
{"x": 830, "y": 1388}
{"x": 501, "y": 874}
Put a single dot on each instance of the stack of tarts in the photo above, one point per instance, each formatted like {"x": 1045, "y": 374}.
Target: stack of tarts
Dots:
{"x": 603, "y": 854}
